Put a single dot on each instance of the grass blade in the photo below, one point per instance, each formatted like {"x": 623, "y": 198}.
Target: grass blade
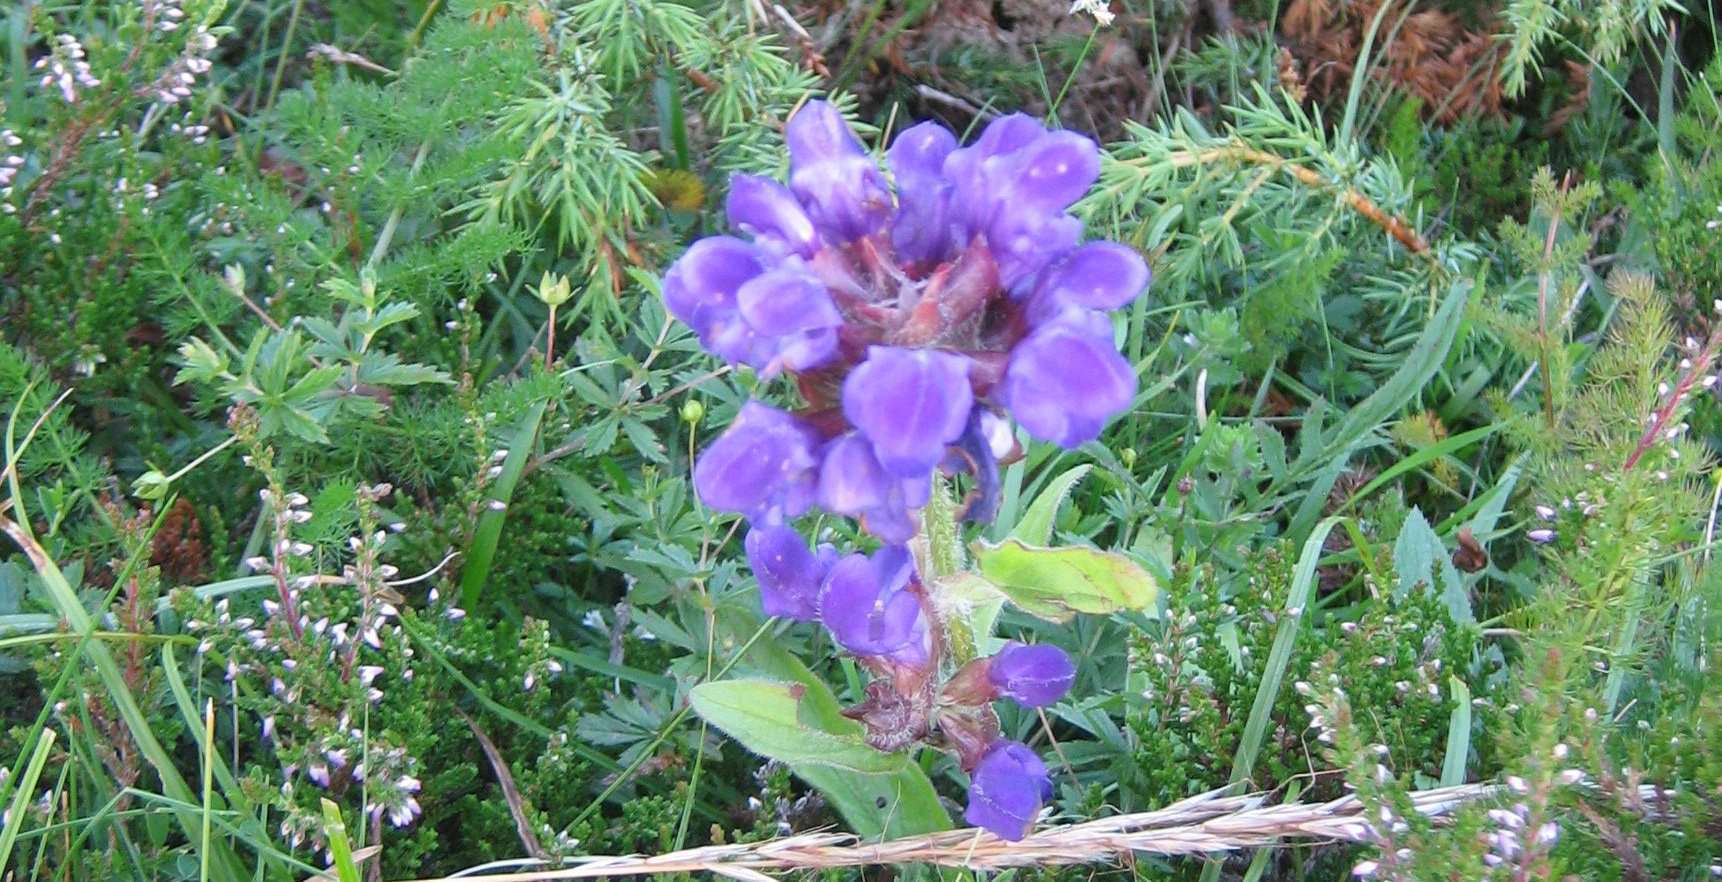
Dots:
{"x": 21, "y": 796}
{"x": 1458, "y": 735}
{"x": 1279, "y": 656}
{"x": 484, "y": 539}
{"x": 340, "y": 848}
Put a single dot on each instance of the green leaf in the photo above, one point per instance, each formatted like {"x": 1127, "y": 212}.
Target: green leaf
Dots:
{"x": 1056, "y": 583}
{"x": 766, "y": 718}
{"x": 1458, "y": 734}
{"x": 1035, "y": 528}
{"x": 340, "y": 847}
{"x": 1419, "y": 557}
{"x": 387, "y": 369}
{"x": 26, "y": 776}
{"x": 489, "y": 532}
{"x": 1279, "y": 655}
{"x": 912, "y": 806}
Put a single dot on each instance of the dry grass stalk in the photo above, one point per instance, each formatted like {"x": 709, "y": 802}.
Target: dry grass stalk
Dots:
{"x": 1204, "y": 824}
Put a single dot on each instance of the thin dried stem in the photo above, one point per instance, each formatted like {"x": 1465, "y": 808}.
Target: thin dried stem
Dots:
{"x": 1203, "y": 824}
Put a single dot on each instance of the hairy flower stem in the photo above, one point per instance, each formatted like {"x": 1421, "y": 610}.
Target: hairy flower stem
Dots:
{"x": 944, "y": 558}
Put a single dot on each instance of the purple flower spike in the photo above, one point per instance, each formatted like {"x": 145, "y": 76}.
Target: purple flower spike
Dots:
{"x": 1066, "y": 379}
{"x": 866, "y": 604}
{"x": 833, "y": 176}
{"x": 794, "y": 314}
{"x": 767, "y": 210}
{"x": 789, "y": 574}
{"x": 761, "y": 467}
{"x": 700, "y": 288}
{"x": 911, "y": 404}
{"x": 1099, "y": 275}
{"x": 921, "y": 231}
{"x": 1033, "y": 676}
{"x": 1007, "y": 789}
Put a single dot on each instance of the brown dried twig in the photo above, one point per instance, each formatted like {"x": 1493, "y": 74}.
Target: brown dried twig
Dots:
{"x": 1400, "y": 230}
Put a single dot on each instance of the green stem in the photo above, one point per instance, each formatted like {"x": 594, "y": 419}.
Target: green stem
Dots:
{"x": 204, "y": 458}
{"x": 394, "y": 220}
{"x": 286, "y": 50}
{"x": 944, "y": 560}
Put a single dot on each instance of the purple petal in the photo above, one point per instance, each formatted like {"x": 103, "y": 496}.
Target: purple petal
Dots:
{"x": 981, "y": 174}
{"x": 851, "y": 482}
{"x": 1057, "y": 170}
{"x": 911, "y": 404}
{"x": 866, "y": 606}
{"x": 786, "y": 301}
{"x": 791, "y": 315}
{"x": 1098, "y": 275}
{"x": 921, "y": 231}
{"x": 1026, "y": 240}
{"x": 1033, "y": 676}
{"x": 832, "y": 175}
{"x": 1066, "y": 379}
{"x": 767, "y": 210}
{"x": 789, "y": 574}
{"x": 700, "y": 288}
{"x": 762, "y": 467}
{"x": 1007, "y": 789}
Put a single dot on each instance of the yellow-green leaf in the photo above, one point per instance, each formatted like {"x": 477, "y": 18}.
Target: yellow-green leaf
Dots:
{"x": 1057, "y": 583}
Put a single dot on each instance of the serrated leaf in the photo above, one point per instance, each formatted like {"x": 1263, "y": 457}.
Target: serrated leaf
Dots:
{"x": 1057, "y": 583}
{"x": 765, "y": 717}
{"x": 387, "y": 369}
{"x": 391, "y": 314}
{"x": 1035, "y": 528}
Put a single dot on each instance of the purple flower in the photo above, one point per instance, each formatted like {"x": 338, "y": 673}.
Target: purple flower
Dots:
{"x": 700, "y": 287}
{"x": 775, "y": 318}
{"x": 761, "y": 467}
{"x": 1013, "y": 186}
{"x": 789, "y": 574}
{"x": 852, "y": 482}
{"x": 1066, "y": 379}
{"x": 766, "y": 210}
{"x": 922, "y": 229}
{"x": 1099, "y": 275}
{"x": 896, "y": 307}
{"x": 910, "y": 404}
{"x": 1007, "y": 789}
{"x": 867, "y": 604}
{"x": 833, "y": 176}
{"x": 792, "y": 317}
{"x": 1035, "y": 676}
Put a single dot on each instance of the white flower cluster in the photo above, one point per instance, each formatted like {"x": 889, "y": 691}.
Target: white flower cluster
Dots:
{"x": 162, "y": 15}
{"x": 174, "y": 84}
{"x": 66, "y": 68}
{"x": 1100, "y": 9}
{"x": 10, "y": 163}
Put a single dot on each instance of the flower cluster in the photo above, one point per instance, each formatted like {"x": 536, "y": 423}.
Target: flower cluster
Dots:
{"x": 916, "y": 320}
{"x": 174, "y": 84}
{"x": 162, "y": 15}
{"x": 912, "y": 328}
{"x": 10, "y": 162}
{"x": 65, "y": 68}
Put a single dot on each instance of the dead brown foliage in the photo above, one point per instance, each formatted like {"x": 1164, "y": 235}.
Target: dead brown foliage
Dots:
{"x": 1427, "y": 54}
